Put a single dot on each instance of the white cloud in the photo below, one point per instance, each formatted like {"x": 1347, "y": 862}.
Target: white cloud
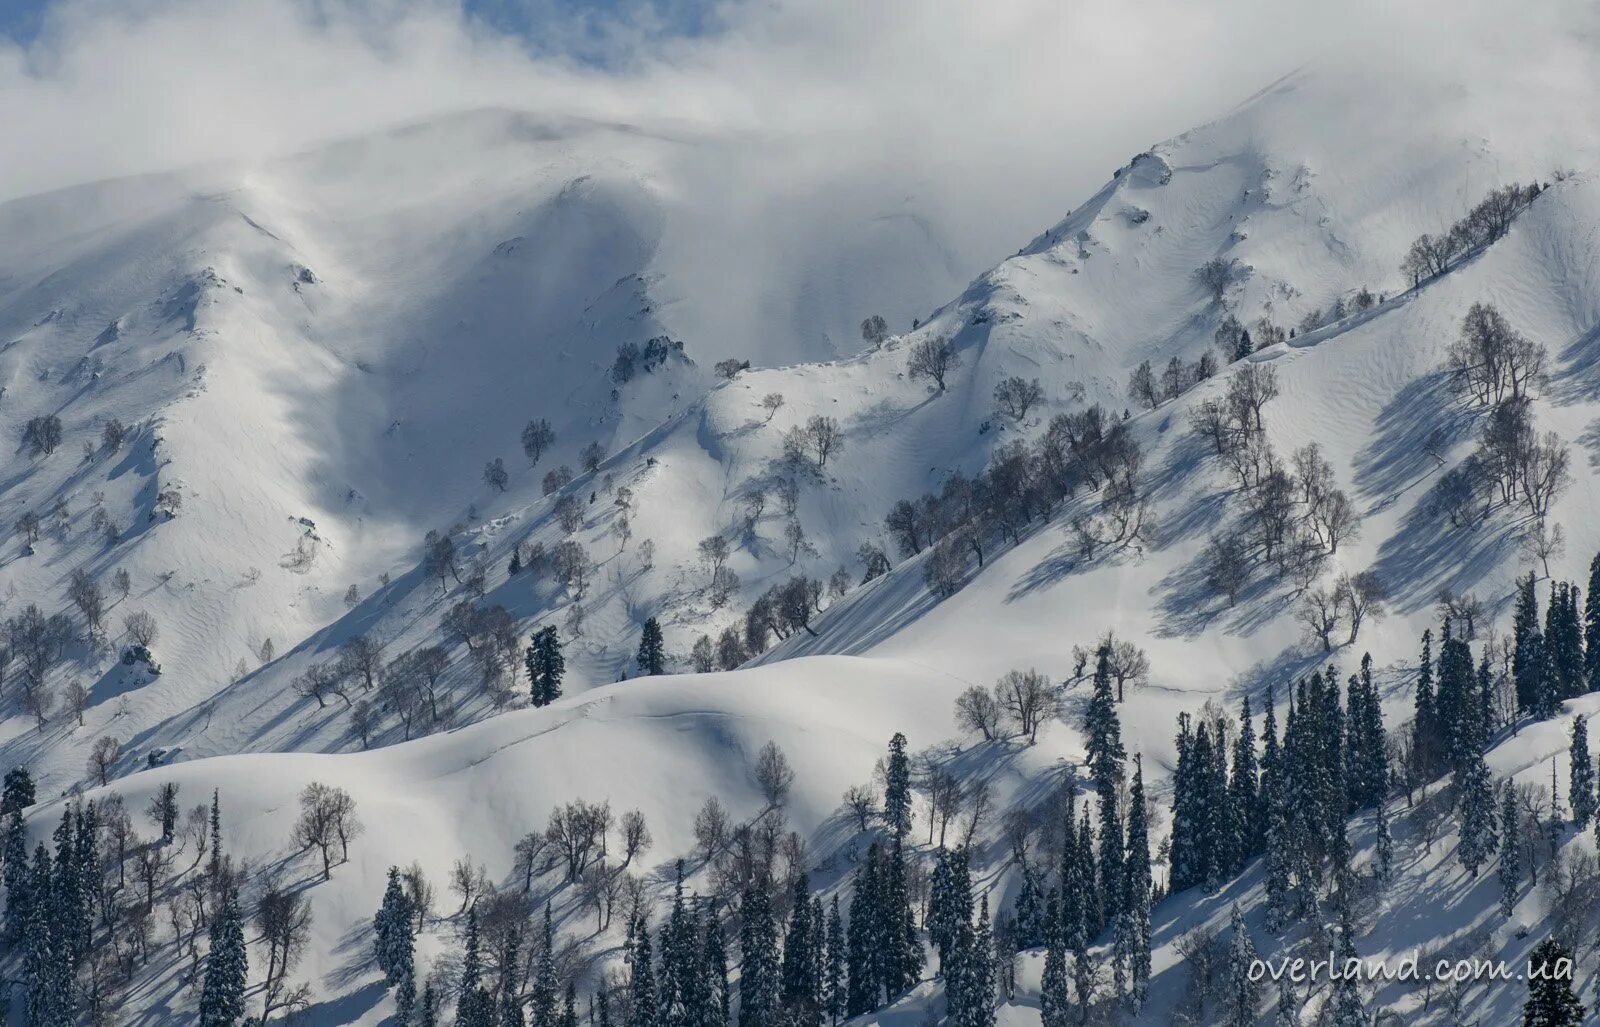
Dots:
{"x": 998, "y": 116}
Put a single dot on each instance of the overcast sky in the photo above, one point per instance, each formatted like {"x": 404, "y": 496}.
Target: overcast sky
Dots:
{"x": 1002, "y": 93}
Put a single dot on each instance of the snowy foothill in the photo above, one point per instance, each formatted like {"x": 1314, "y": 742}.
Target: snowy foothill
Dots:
{"x": 400, "y": 494}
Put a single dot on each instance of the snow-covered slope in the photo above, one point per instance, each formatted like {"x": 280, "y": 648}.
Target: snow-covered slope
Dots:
{"x": 298, "y": 343}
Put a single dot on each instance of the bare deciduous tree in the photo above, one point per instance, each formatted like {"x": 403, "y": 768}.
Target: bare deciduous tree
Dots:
{"x": 933, "y": 358}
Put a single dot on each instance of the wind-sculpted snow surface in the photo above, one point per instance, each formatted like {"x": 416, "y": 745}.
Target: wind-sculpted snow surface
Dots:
{"x": 319, "y": 356}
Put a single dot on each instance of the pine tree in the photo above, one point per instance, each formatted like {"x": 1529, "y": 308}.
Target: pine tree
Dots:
{"x": 227, "y": 968}
{"x": 1055, "y": 1003}
{"x": 1135, "y": 936}
{"x": 1580, "y": 788}
{"x": 1244, "y": 789}
{"x": 642, "y": 983}
{"x": 1367, "y": 770}
{"x": 428, "y": 1015}
{"x": 546, "y": 666}
{"x": 1027, "y": 909}
{"x": 1347, "y": 1008}
{"x": 897, "y": 787}
{"x": 1186, "y": 855}
{"x": 801, "y": 990}
{"x": 405, "y": 999}
{"x": 1591, "y": 628}
{"x": 391, "y": 929}
{"x": 1551, "y": 1001}
{"x": 714, "y": 964}
{"x": 569, "y": 1007}
{"x": 652, "y": 649}
{"x": 1288, "y": 1014}
{"x": 474, "y": 1005}
{"x": 1510, "y": 870}
{"x": 510, "y": 998}
{"x": 515, "y": 567}
{"x": 834, "y": 990}
{"x": 1244, "y": 992}
{"x": 1425, "y": 742}
{"x": 1105, "y": 759}
{"x": 1479, "y": 837}
{"x": 1383, "y": 843}
{"x": 1528, "y": 665}
{"x": 681, "y": 982}
{"x": 46, "y": 962}
{"x": 542, "y": 996}
{"x": 899, "y": 945}
{"x": 1083, "y": 972}
{"x": 865, "y": 985}
{"x": 759, "y": 976}
{"x": 1564, "y": 642}
{"x": 1454, "y": 702}
{"x": 17, "y": 794}
{"x": 980, "y": 992}
{"x": 16, "y": 876}
{"x": 949, "y": 902}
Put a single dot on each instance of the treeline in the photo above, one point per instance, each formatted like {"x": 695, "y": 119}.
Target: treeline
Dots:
{"x": 1487, "y": 222}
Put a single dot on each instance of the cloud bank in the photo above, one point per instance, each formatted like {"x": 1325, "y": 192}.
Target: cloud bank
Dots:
{"x": 997, "y": 117}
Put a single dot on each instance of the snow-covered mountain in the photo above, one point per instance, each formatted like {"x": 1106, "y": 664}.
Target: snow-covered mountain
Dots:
{"x": 319, "y": 355}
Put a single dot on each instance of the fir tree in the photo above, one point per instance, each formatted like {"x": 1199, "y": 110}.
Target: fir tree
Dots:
{"x": 428, "y": 1014}
{"x": 1187, "y": 859}
{"x": 862, "y": 939}
{"x": 897, "y": 787}
{"x": 17, "y": 794}
{"x": 834, "y": 990}
{"x": 474, "y": 1005}
{"x": 391, "y": 929}
{"x": 1055, "y": 1002}
{"x": 1244, "y": 789}
{"x": 16, "y": 875}
{"x": 900, "y": 948}
{"x": 1580, "y": 787}
{"x": 405, "y": 999}
{"x": 652, "y": 649}
{"x": 1551, "y": 1000}
{"x": 1288, "y": 1014}
{"x": 1425, "y": 742}
{"x": 801, "y": 989}
{"x": 1135, "y": 936}
{"x": 1591, "y": 628}
{"x": 1510, "y": 870}
{"x": 1027, "y": 909}
{"x": 1347, "y": 1008}
{"x": 47, "y": 966}
{"x": 542, "y": 997}
{"x": 642, "y": 983}
{"x": 1383, "y": 844}
{"x": 714, "y": 965}
{"x": 759, "y": 975}
{"x": 510, "y": 999}
{"x": 1105, "y": 759}
{"x": 949, "y": 902}
{"x": 1083, "y": 972}
{"x": 1479, "y": 837}
{"x": 1244, "y": 991}
{"x": 680, "y": 983}
{"x": 546, "y": 666}
{"x": 569, "y": 1006}
{"x": 227, "y": 968}
{"x": 1528, "y": 664}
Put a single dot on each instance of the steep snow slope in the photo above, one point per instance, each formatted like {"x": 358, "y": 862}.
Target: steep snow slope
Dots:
{"x": 1316, "y": 186}
{"x": 318, "y": 356}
